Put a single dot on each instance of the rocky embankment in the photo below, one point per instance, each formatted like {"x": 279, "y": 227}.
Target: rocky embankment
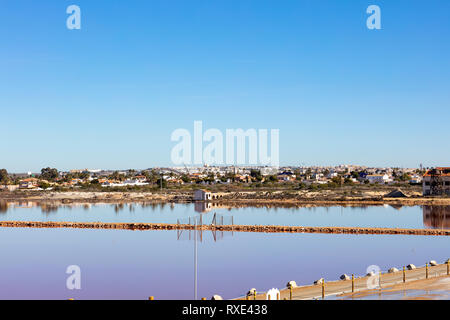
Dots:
{"x": 229, "y": 228}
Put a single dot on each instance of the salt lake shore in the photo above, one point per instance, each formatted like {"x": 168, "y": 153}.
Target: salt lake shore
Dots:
{"x": 232, "y": 199}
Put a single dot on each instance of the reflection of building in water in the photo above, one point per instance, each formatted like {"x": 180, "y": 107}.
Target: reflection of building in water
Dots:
{"x": 203, "y": 207}
{"x": 3, "y": 206}
{"x": 436, "y": 217}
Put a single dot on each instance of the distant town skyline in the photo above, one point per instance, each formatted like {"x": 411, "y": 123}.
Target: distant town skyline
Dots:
{"x": 183, "y": 168}
{"x": 110, "y": 94}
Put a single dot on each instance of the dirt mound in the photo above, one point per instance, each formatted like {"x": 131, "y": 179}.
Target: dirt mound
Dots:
{"x": 396, "y": 194}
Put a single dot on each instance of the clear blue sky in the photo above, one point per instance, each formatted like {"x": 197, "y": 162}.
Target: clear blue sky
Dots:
{"x": 109, "y": 95}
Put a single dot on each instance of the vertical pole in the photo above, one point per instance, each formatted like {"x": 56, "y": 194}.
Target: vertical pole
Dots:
{"x": 353, "y": 283}
{"x": 254, "y": 295}
{"x": 232, "y": 225}
{"x": 290, "y": 293}
{"x": 426, "y": 271}
{"x": 448, "y": 269}
{"x": 195, "y": 263}
{"x": 323, "y": 289}
{"x": 404, "y": 275}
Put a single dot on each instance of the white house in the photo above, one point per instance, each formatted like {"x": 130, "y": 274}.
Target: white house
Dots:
{"x": 378, "y": 178}
{"x": 202, "y": 195}
{"x": 415, "y": 179}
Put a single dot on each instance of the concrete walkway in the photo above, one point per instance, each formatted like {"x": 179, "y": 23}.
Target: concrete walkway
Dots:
{"x": 334, "y": 288}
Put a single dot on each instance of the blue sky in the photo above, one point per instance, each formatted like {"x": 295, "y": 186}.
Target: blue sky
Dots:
{"x": 110, "y": 95}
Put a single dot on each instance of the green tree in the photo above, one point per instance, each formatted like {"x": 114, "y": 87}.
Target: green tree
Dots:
{"x": 117, "y": 176}
{"x": 84, "y": 175}
{"x": 164, "y": 183}
{"x": 404, "y": 177}
{"x": 337, "y": 180}
{"x": 348, "y": 181}
{"x": 355, "y": 174}
{"x": 256, "y": 174}
{"x": 44, "y": 185}
{"x": 4, "y": 177}
{"x": 49, "y": 174}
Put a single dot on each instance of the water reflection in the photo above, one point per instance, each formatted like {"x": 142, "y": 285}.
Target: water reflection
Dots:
{"x": 3, "y": 206}
{"x": 383, "y": 216}
{"x": 202, "y": 206}
{"x": 436, "y": 217}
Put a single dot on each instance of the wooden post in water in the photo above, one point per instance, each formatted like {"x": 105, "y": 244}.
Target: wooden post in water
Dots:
{"x": 404, "y": 275}
{"x": 254, "y": 295}
{"x": 448, "y": 269}
{"x": 426, "y": 271}
{"x": 290, "y": 292}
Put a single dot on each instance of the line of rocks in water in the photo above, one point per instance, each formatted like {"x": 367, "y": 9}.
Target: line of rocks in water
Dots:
{"x": 233, "y": 228}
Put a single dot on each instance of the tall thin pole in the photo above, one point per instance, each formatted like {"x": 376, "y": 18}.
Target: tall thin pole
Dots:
{"x": 195, "y": 260}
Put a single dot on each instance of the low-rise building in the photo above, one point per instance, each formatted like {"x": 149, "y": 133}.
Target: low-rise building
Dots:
{"x": 202, "y": 195}
{"x": 436, "y": 181}
{"x": 10, "y": 187}
{"x": 378, "y": 178}
{"x": 415, "y": 179}
{"x": 29, "y": 183}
